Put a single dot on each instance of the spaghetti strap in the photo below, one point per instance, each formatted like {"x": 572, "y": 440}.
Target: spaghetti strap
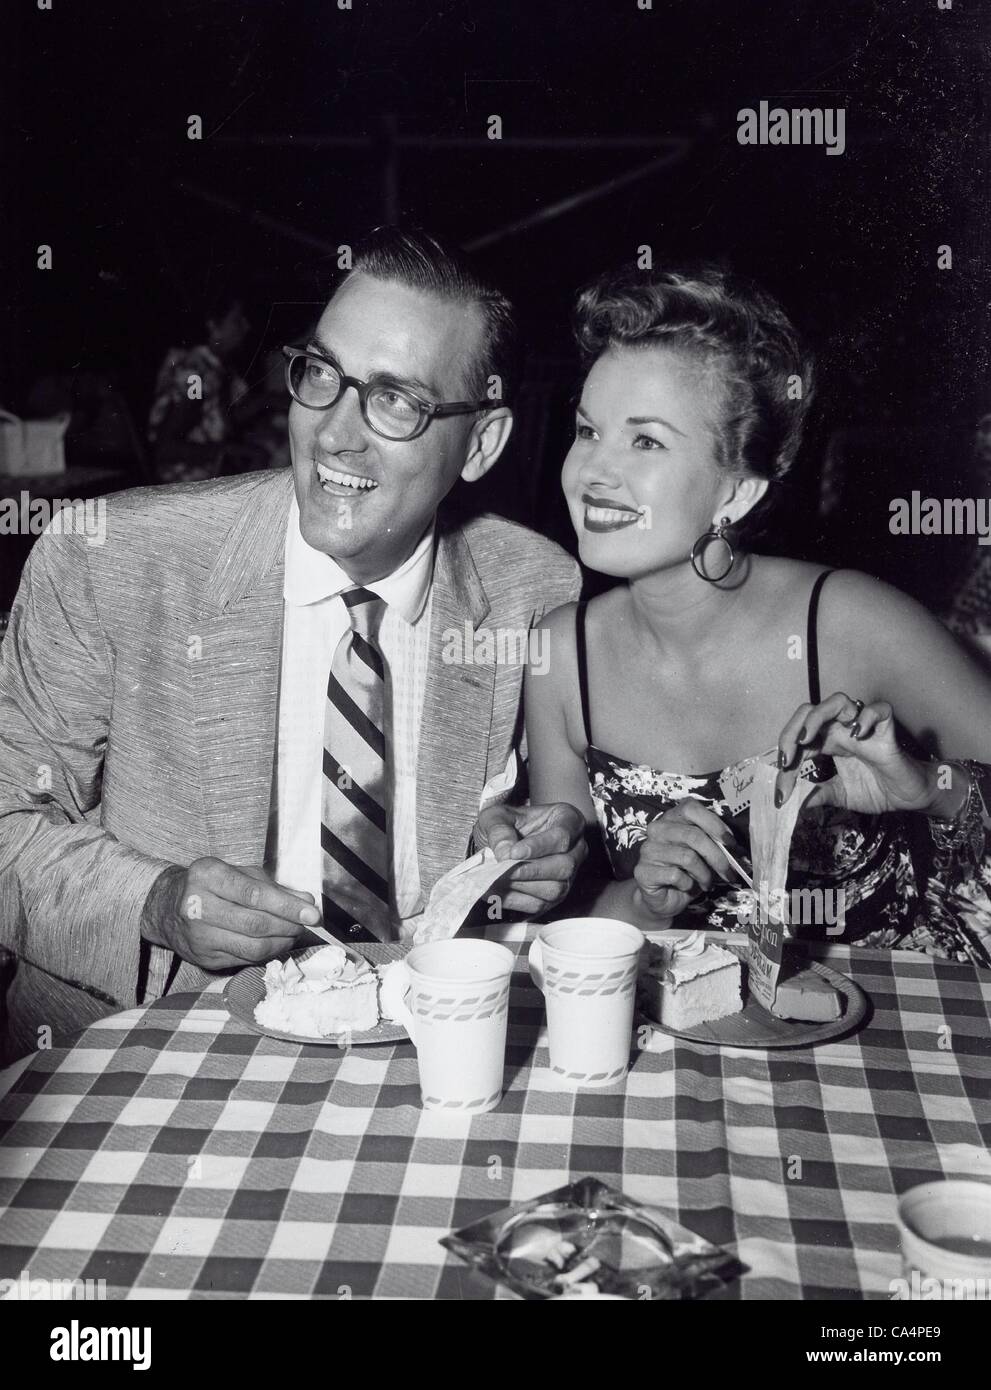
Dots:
{"x": 582, "y": 666}
{"x": 812, "y": 638}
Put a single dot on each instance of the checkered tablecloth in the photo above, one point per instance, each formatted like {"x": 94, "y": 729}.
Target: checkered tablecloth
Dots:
{"x": 174, "y": 1154}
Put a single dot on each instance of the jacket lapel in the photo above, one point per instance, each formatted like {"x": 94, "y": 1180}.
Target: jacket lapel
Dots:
{"x": 236, "y": 683}
{"x": 236, "y": 679}
{"x": 457, "y": 714}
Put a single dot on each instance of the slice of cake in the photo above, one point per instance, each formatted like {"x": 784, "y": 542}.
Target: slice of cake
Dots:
{"x": 807, "y": 998}
{"x": 328, "y": 992}
{"x": 688, "y": 982}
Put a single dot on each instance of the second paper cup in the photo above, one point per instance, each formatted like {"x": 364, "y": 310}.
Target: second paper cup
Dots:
{"x": 586, "y": 968}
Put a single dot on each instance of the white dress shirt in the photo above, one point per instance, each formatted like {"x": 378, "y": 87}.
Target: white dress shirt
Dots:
{"x": 315, "y": 621}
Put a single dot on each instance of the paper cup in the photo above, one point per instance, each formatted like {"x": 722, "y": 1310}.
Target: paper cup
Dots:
{"x": 945, "y": 1230}
{"x": 454, "y": 1005}
{"x": 586, "y": 968}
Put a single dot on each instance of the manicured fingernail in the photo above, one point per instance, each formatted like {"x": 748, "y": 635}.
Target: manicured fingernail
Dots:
{"x": 781, "y": 759}
{"x": 855, "y": 729}
{"x": 859, "y": 733}
{"x": 778, "y": 797}
{"x": 803, "y": 734}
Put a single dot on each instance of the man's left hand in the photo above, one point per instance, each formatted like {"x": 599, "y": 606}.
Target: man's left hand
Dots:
{"x": 548, "y": 844}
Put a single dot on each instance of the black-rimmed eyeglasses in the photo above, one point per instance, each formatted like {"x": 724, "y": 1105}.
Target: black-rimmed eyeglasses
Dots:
{"x": 392, "y": 411}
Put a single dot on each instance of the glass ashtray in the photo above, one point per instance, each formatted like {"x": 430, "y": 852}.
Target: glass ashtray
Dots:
{"x": 588, "y": 1240}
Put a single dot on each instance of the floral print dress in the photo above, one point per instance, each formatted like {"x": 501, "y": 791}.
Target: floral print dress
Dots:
{"x": 895, "y": 890}
{"x": 868, "y": 857}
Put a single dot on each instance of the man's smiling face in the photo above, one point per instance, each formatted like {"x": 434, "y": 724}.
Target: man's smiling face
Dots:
{"x": 365, "y": 500}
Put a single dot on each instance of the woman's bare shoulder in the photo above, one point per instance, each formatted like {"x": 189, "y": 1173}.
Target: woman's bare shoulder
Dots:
{"x": 557, "y": 664}
{"x": 883, "y": 644}
{"x": 873, "y": 602}
{"x": 561, "y": 622}
{"x": 779, "y": 572}
{"x": 874, "y": 634}
{"x": 846, "y": 593}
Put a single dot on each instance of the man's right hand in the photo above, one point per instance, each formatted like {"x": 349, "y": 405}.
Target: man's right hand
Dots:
{"x": 220, "y": 916}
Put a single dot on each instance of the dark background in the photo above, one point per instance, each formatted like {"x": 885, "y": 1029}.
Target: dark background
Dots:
{"x": 319, "y": 122}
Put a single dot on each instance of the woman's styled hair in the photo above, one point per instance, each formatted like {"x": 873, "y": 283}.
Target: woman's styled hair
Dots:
{"x": 731, "y": 327}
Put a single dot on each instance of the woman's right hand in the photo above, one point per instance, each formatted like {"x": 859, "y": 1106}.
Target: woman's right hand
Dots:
{"x": 680, "y": 858}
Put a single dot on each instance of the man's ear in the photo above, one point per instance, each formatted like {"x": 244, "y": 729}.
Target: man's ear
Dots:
{"x": 486, "y": 442}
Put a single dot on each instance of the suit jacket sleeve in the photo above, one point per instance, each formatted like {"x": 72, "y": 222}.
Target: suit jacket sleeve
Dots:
{"x": 78, "y": 886}
{"x": 570, "y": 587}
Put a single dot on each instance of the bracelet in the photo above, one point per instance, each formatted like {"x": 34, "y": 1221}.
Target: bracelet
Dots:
{"x": 966, "y": 830}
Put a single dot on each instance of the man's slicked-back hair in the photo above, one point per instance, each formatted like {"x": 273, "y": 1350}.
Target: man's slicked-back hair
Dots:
{"x": 412, "y": 257}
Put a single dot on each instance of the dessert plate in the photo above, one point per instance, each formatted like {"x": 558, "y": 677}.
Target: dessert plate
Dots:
{"x": 247, "y": 988}
{"x": 755, "y": 1027}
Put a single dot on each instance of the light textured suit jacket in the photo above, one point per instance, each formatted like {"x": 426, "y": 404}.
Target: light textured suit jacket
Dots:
{"x": 138, "y": 711}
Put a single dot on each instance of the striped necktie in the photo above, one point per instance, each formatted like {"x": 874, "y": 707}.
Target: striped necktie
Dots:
{"x": 354, "y": 833}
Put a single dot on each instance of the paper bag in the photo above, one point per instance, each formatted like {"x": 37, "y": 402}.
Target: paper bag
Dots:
{"x": 771, "y": 830}
{"x": 32, "y": 448}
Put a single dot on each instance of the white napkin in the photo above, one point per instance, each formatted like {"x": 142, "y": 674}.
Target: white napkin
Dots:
{"x": 452, "y": 898}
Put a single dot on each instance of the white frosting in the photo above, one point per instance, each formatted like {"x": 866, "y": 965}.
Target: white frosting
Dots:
{"x": 318, "y": 996}
{"x": 395, "y": 983}
{"x": 329, "y": 968}
{"x": 689, "y": 957}
{"x": 691, "y": 945}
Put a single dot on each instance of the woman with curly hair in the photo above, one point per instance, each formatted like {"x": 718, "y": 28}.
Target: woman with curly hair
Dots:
{"x": 707, "y": 652}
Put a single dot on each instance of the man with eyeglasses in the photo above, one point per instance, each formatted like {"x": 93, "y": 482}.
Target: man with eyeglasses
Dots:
{"x": 235, "y": 719}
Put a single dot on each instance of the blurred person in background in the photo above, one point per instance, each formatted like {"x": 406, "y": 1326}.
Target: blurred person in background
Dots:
{"x": 190, "y": 425}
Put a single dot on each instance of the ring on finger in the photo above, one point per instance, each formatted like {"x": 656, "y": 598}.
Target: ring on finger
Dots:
{"x": 859, "y": 706}
{"x": 855, "y": 730}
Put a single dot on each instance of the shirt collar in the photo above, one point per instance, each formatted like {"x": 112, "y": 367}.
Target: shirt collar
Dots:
{"x": 312, "y": 576}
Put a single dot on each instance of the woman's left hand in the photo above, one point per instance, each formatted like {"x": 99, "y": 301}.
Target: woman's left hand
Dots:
{"x": 873, "y": 774}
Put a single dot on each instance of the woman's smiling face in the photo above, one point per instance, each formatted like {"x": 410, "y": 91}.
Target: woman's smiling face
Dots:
{"x": 641, "y": 478}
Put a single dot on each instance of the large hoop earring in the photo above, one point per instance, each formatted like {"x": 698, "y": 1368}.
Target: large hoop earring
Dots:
{"x": 714, "y": 533}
